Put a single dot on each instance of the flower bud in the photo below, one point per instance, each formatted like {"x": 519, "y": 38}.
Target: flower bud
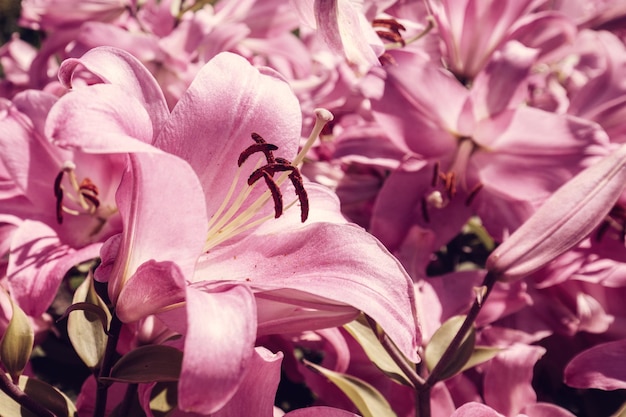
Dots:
{"x": 566, "y": 218}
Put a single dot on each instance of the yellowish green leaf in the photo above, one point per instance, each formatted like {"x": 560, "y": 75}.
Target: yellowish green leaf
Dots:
{"x": 365, "y": 397}
{"x": 365, "y": 336}
{"x": 440, "y": 342}
{"x": 44, "y": 394}
{"x": 88, "y": 317}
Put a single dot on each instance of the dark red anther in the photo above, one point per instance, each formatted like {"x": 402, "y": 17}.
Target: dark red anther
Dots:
{"x": 424, "y": 208}
{"x": 391, "y": 37}
{"x": 392, "y": 30}
{"x": 58, "y": 193}
{"x": 267, "y": 172}
{"x": 298, "y": 185}
{"x": 473, "y": 193}
{"x": 266, "y": 148}
{"x": 87, "y": 185}
{"x": 435, "y": 179}
{"x": 451, "y": 185}
{"x": 276, "y": 194}
{"x": 391, "y": 24}
{"x": 92, "y": 199}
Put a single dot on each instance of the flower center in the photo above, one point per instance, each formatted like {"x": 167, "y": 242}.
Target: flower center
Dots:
{"x": 232, "y": 218}
{"x": 77, "y": 198}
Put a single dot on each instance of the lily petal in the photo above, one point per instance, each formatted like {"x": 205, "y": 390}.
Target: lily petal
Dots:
{"x": 116, "y": 66}
{"x": 219, "y": 346}
{"x": 162, "y": 206}
{"x": 212, "y": 123}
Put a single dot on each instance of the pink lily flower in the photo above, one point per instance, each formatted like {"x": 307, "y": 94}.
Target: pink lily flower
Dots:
{"x": 61, "y": 202}
{"x": 464, "y": 152}
{"x": 240, "y": 266}
{"x": 472, "y": 31}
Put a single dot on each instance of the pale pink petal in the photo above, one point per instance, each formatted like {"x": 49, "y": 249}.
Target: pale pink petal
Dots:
{"x": 118, "y": 67}
{"x": 212, "y": 123}
{"x": 101, "y": 118}
{"x": 342, "y": 263}
{"x": 346, "y": 31}
{"x": 256, "y": 392}
{"x": 219, "y": 346}
{"x": 601, "y": 367}
{"x": 162, "y": 206}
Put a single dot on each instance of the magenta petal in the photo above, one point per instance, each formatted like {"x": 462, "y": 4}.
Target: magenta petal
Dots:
{"x": 101, "y": 118}
{"x": 162, "y": 206}
{"x": 511, "y": 372}
{"x": 256, "y": 393}
{"x": 115, "y": 66}
{"x": 475, "y": 410}
{"x": 601, "y": 367}
{"x": 153, "y": 286}
{"x": 219, "y": 345}
{"x": 320, "y": 412}
{"x": 212, "y": 123}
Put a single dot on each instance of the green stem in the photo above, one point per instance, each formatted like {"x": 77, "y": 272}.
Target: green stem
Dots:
{"x": 107, "y": 363}
{"x": 434, "y": 377}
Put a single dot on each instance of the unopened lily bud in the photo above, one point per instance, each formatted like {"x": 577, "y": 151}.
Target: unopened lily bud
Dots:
{"x": 566, "y": 218}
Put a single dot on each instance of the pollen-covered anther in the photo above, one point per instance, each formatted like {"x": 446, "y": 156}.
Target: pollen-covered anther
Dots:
{"x": 267, "y": 171}
{"x": 84, "y": 196}
{"x": 391, "y": 30}
{"x": 259, "y": 146}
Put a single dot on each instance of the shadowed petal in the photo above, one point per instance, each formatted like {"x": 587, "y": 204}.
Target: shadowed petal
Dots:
{"x": 600, "y": 367}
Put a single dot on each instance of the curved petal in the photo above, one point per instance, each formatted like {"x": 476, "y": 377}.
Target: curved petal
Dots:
{"x": 153, "y": 286}
{"x": 219, "y": 346}
{"x": 116, "y": 66}
{"x": 256, "y": 393}
{"x": 601, "y": 367}
{"x": 101, "y": 118}
{"x": 320, "y": 412}
{"x": 38, "y": 260}
{"x": 340, "y": 262}
{"x": 212, "y": 123}
{"x": 162, "y": 207}
{"x": 511, "y": 372}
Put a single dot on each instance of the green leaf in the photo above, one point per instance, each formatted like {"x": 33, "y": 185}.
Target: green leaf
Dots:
{"x": 365, "y": 336}
{"x": 163, "y": 398}
{"x": 440, "y": 342}
{"x": 17, "y": 343}
{"x": 44, "y": 394}
{"x": 150, "y": 363}
{"x": 88, "y": 317}
{"x": 365, "y": 397}
{"x": 479, "y": 355}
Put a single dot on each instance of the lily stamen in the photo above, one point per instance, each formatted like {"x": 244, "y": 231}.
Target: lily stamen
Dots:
{"x": 84, "y": 195}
